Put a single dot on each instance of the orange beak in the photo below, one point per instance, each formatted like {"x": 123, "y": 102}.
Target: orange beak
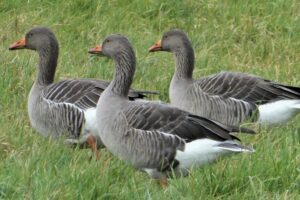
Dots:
{"x": 156, "y": 47}
{"x": 96, "y": 50}
{"x": 21, "y": 44}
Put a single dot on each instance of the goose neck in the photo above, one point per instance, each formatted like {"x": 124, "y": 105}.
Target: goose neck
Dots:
{"x": 47, "y": 64}
{"x": 123, "y": 77}
{"x": 184, "y": 66}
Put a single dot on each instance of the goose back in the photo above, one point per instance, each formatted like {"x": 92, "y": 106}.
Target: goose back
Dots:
{"x": 191, "y": 97}
{"x": 247, "y": 87}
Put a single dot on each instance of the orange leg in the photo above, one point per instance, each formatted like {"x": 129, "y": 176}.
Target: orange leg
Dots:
{"x": 92, "y": 143}
{"x": 163, "y": 182}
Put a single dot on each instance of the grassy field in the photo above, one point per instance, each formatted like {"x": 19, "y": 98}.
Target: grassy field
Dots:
{"x": 253, "y": 36}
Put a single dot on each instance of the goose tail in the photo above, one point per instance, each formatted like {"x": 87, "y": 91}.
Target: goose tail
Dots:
{"x": 140, "y": 94}
{"x": 235, "y": 147}
{"x": 204, "y": 151}
{"x": 289, "y": 92}
{"x": 297, "y": 106}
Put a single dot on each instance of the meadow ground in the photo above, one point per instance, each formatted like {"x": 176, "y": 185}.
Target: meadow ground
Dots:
{"x": 253, "y": 36}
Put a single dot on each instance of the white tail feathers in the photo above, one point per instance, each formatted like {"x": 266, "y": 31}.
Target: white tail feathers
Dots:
{"x": 297, "y": 106}
{"x": 203, "y": 151}
{"x": 278, "y": 112}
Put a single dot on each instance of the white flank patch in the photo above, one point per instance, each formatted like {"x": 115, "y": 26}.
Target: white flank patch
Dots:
{"x": 278, "y": 112}
{"x": 90, "y": 120}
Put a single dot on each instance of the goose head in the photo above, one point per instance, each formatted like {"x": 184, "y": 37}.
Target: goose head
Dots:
{"x": 172, "y": 41}
{"x": 36, "y": 39}
{"x": 113, "y": 46}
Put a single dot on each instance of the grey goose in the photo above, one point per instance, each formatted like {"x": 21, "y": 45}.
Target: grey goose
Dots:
{"x": 228, "y": 97}
{"x": 66, "y": 108}
{"x": 152, "y": 136}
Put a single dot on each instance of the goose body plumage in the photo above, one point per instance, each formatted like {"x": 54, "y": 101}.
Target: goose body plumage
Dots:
{"x": 61, "y": 109}
{"x": 152, "y": 136}
{"x": 66, "y": 108}
{"x": 228, "y": 97}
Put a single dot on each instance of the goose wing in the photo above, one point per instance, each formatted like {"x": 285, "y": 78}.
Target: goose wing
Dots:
{"x": 246, "y": 87}
{"x": 83, "y": 93}
{"x": 164, "y": 118}
{"x": 157, "y": 131}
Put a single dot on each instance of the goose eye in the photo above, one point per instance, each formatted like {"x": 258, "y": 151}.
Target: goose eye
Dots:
{"x": 30, "y": 34}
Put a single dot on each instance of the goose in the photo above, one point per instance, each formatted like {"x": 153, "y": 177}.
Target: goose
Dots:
{"x": 155, "y": 137}
{"x": 228, "y": 97}
{"x": 66, "y": 108}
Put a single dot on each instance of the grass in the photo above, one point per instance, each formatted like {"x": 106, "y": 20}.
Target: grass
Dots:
{"x": 258, "y": 37}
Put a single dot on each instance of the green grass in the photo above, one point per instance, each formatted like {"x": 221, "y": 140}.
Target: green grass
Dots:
{"x": 253, "y": 36}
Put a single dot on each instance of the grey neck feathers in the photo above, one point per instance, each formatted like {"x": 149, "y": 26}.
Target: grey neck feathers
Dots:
{"x": 47, "y": 64}
{"x": 123, "y": 77}
{"x": 184, "y": 58}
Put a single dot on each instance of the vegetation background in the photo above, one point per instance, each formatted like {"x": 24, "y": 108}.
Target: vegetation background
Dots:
{"x": 252, "y": 36}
